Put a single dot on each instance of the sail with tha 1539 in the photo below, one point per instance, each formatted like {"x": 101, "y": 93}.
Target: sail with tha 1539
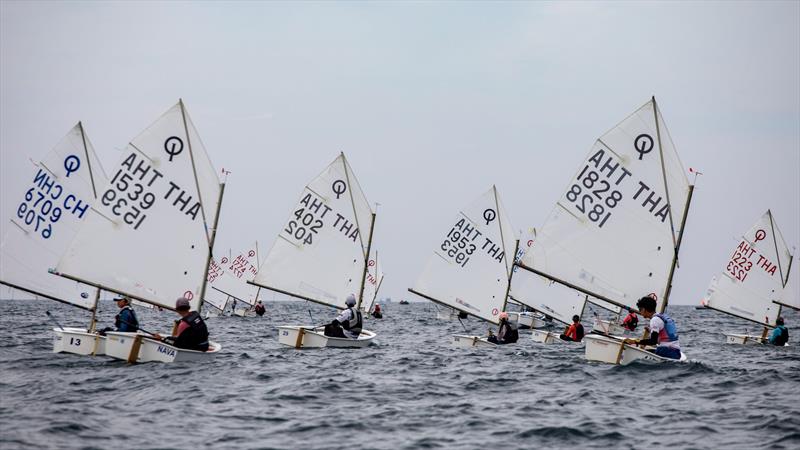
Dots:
{"x": 150, "y": 234}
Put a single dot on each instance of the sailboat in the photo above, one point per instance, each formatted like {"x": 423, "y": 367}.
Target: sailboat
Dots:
{"x": 753, "y": 284}
{"x": 372, "y": 284}
{"x": 245, "y": 267}
{"x": 615, "y": 233}
{"x": 470, "y": 270}
{"x": 162, "y": 204}
{"x": 51, "y": 207}
{"x": 321, "y": 254}
{"x": 557, "y": 302}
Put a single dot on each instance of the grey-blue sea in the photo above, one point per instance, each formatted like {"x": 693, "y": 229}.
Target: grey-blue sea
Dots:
{"x": 409, "y": 390}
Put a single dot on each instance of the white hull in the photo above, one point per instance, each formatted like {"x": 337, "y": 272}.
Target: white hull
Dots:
{"x": 544, "y": 337}
{"x": 465, "y": 341}
{"x": 607, "y": 327}
{"x": 78, "y": 342}
{"x": 608, "y": 350}
{"x": 244, "y": 312}
{"x": 525, "y": 320}
{"x": 310, "y": 337}
{"x": 119, "y": 346}
{"x": 742, "y": 339}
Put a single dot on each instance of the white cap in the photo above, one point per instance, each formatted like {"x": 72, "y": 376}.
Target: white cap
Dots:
{"x": 351, "y": 300}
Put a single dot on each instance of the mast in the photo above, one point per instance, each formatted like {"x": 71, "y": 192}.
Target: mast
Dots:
{"x": 211, "y": 243}
{"x": 366, "y": 258}
{"x": 511, "y": 273}
{"x": 93, "y": 322}
{"x": 677, "y": 248}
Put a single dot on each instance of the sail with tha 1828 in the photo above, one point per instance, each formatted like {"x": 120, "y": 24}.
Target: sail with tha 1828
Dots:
{"x": 149, "y": 235}
{"x": 754, "y": 280}
{"x": 471, "y": 264}
{"x": 615, "y": 231}
{"x": 46, "y": 215}
{"x": 321, "y": 250}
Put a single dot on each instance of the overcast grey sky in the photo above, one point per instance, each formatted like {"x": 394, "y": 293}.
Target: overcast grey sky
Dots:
{"x": 432, "y": 103}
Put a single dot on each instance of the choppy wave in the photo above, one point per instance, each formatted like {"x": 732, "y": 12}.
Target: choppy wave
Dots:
{"x": 410, "y": 390}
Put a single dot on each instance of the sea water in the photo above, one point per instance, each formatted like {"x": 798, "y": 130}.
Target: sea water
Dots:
{"x": 411, "y": 389}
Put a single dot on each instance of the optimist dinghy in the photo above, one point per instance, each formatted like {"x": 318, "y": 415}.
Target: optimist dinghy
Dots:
{"x": 322, "y": 253}
{"x": 611, "y": 350}
{"x": 162, "y": 204}
{"x": 753, "y": 284}
{"x": 615, "y": 233}
{"x": 470, "y": 269}
{"x": 52, "y": 205}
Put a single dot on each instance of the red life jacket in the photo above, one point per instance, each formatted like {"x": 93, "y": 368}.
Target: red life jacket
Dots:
{"x": 572, "y": 332}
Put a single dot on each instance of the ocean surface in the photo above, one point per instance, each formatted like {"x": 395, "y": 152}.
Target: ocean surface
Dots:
{"x": 409, "y": 390}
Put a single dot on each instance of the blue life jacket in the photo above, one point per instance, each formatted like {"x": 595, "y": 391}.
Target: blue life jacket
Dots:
{"x": 782, "y": 337}
{"x": 670, "y": 331}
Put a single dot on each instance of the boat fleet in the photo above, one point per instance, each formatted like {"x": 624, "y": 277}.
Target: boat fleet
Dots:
{"x": 146, "y": 230}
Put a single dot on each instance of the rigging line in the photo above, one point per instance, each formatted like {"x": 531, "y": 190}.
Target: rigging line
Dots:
{"x": 88, "y": 159}
{"x": 775, "y": 242}
{"x": 194, "y": 173}
{"x": 664, "y": 176}
{"x": 353, "y": 203}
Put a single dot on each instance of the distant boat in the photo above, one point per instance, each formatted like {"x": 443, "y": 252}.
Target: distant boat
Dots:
{"x": 403, "y": 302}
{"x": 753, "y": 284}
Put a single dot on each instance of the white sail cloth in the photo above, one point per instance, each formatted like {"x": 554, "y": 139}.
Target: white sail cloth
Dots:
{"x": 373, "y": 282}
{"x": 321, "y": 251}
{"x": 46, "y": 216}
{"x": 149, "y": 234}
{"x": 614, "y": 231}
{"x": 472, "y": 262}
{"x": 755, "y": 275}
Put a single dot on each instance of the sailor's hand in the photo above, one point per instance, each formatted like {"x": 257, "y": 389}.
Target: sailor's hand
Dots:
{"x": 158, "y": 337}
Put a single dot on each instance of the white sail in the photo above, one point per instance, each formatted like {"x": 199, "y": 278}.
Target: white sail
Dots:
{"x": 542, "y": 294}
{"x": 614, "y": 231}
{"x": 243, "y": 268}
{"x": 754, "y": 275}
{"x": 160, "y": 205}
{"x": 216, "y": 297}
{"x": 605, "y": 305}
{"x": 471, "y": 265}
{"x": 320, "y": 252}
{"x": 46, "y": 215}
{"x": 372, "y": 282}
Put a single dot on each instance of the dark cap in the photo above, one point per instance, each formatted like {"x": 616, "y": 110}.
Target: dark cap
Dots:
{"x": 182, "y": 303}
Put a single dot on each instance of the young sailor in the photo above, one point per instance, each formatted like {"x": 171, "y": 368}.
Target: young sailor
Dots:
{"x": 663, "y": 331}
{"x": 125, "y": 320}
{"x": 376, "y": 312}
{"x": 575, "y": 331}
{"x": 506, "y": 334}
{"x": 780, "y": 335}
{"x": 192, "y": 333}
{"x": 631, "y": 321}
{"x": 348, "y": 323}
{"x": 260, "y": 310}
